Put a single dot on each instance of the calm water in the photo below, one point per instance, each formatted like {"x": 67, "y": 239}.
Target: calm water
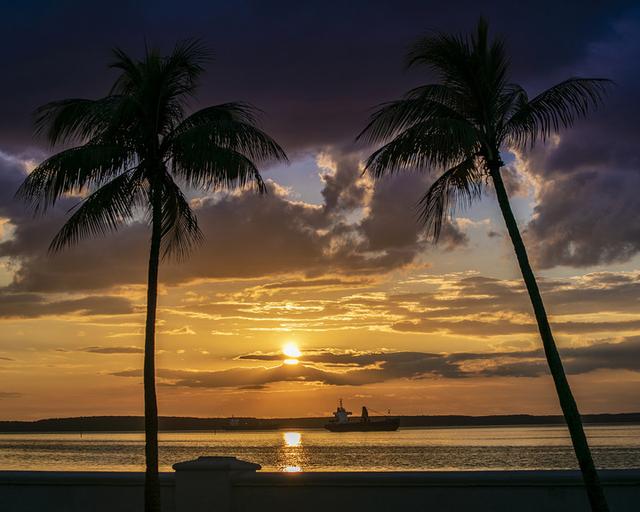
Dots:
{"x": 316, "y": 450}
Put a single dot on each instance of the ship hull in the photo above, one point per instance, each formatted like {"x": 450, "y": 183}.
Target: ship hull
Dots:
{"x": 361, "y": 426}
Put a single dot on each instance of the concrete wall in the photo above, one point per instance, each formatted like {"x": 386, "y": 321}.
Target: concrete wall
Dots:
{"x": 225, "y": 484}
{"x": 495, "y": 491}
{"x": 45, "y": 491}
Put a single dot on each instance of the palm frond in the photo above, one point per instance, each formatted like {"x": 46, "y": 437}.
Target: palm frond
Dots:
{"x": 75, "y": 119}
{"x": 161, "y": 85}
{"x": 458, "y": 187}
{"x": 102, "y": 212}
{"x": 446, "y": 55}
{"x": 71, "y": 171}
{"x": 557, "y": 107}
{"x": 475, "y": 67}
{"x": 511, "y": 99}
{"x": 238, "y": 111}
{"x": 179, "y": 225}
{"x": 179, "y": 74}
{"x": 432, "y": 143}
{"x": 491, "y": 62}
{"x": 230, "y": 125}
{"x": 214, "y": 168}
{"x": 420, "y": 104}
{"x": 131, "y": 73}
{"x": 184, "y": 66}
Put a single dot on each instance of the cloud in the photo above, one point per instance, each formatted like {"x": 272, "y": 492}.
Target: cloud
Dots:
{"x": 359, "y": 231}
{"x": 611, "y": 356}
{"x": 577, "y": 360}
{"x": 316, "y": 240}
{"x": 482, "y": 306}
{"x": 587, "y": 212}
{"x": 6, "y": 395}
{"x": 319, "y": 95}
{"x": 32, "y": 305}
{"x": 345, "y": 188}
{"x": 241, "y": 377}
{"x": 93, "y": 266}
{"x": 179, "y": 331}
{"x": 393, "y": 225}
{"x": 460, "y": 304}
{"x": 494, "y": 327}
{"x": 353, "y": 368}
{"x": 311, "y": 110}
{"x": 316, "y": 283}
{"x": 113, "y": 350}
{"x": 304, "y": 286}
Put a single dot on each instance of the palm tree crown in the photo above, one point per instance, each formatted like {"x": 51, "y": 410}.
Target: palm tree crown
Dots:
{"x": 137, "y": 145}
{"x": 461, "y": 123}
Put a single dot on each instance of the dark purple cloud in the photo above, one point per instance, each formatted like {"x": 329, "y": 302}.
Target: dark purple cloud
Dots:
{"x": 316, "y": 67}
{"x": 588, "y": 212}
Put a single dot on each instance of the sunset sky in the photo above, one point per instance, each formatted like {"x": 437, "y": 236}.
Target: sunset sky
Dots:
{"x": 329, "y": 261}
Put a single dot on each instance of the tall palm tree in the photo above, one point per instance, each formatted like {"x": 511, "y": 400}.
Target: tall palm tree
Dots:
{"x": 460, "y": 125}
{"x": 133, "y": 149}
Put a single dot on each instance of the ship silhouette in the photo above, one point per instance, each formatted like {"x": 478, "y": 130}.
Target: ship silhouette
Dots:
{"x": 341, "y": 423}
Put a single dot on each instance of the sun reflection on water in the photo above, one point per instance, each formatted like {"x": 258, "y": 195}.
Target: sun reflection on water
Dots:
{"x": 292, "y": 455}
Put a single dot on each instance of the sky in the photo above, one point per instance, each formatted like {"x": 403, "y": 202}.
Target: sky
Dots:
{"x": 328, "y": 262}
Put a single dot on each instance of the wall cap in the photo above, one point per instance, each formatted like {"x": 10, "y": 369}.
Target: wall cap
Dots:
{"x": 209, "y": 463}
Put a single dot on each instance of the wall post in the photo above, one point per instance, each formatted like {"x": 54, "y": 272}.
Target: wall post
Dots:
{"x": 204, "y": 484}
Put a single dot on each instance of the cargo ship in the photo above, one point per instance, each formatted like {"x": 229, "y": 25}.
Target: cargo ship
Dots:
{"x": 341, "y": 423}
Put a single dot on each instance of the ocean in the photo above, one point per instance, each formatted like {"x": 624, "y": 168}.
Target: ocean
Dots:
{"x": 409, "y": 449}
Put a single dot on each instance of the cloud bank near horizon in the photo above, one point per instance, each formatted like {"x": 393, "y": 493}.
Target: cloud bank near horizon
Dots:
{"x": 359, "y": 368}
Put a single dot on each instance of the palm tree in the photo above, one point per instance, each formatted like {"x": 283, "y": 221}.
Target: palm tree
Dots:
{"x": 132, "y": 149}
{"x": 460, "y": 125}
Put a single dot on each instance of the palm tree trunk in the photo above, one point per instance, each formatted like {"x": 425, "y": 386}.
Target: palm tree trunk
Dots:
{"x": 152, "y": 480}
{"x": 567, "y": 402}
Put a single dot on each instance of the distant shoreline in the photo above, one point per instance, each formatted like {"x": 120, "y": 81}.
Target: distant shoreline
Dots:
{"x": 177, "y": 424}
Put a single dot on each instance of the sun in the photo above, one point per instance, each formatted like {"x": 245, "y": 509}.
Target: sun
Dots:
{"x": 290, "y": 349}
{"x": 292, "y": 352}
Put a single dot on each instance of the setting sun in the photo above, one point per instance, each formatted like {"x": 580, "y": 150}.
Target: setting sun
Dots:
{"x": 291, "y": 350}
